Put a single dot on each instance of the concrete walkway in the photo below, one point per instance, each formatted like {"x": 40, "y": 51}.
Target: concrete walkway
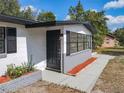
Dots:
{"x": 85, "y": 79}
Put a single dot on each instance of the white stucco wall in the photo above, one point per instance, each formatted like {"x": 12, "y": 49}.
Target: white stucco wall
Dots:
{"x": 21, "y": 55}
{"x": 79, "y": 57}
{"x": 37, "y": 45}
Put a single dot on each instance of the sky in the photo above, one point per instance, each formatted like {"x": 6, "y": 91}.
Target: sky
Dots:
{"x": 114, "y": 9}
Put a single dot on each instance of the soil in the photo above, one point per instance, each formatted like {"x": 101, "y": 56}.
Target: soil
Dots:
{"x": 45, "y": 87}
{"x": 112, "y": 78}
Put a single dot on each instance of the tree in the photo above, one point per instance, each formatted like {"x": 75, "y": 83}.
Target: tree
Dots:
{"x": 98, "y": 20}
{"x": 9, "y": 7}
{"x": 76, "y": 12}
{"x": 12, "y": 8}
{"x": 46, "y": 16}
{"x": 1, "y": 6}
{"x": 27, "y": 13}
{"x": 119, "y": 34}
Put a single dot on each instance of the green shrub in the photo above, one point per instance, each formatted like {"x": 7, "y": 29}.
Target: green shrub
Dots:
{"x": 14, "y": 71}
{"x": 17, "y": 71}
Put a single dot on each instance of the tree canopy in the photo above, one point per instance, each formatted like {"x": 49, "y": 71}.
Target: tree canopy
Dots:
{"x": 9, "y": 7}
{"x": 46, "y": 16}
{"x": 76, "y": 12}
{"x": 97, "y": 19}
{"x": 27, "y": 13}
{"x": 12, "y": 8}
{"x": 119, "y": 33}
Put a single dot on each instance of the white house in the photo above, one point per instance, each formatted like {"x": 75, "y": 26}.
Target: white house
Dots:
{"x": 57, "y": 46}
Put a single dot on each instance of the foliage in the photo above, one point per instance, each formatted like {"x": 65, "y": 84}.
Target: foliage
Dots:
{"x": 46, "y": 16}
{"x": 76, "y": 12}
{"x": 17, "y": 71}
{"x": 119, "y": 34}
{"x": 14, "y": 72}
{"x": 12, "y": 8}
{"x": 27, "y": 14}
{"x": 28, "y": 66}
{"x": 9, "y": 7}
{"x": 97, "y": 19}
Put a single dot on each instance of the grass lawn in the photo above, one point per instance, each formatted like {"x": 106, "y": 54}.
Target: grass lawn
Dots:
{"x": 114, "y": 49}
{"x": 111, "y": 51}
{"x": 112, "y": 78}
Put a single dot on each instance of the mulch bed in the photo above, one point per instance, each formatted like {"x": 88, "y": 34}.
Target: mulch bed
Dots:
{"x": 4, "y": 79}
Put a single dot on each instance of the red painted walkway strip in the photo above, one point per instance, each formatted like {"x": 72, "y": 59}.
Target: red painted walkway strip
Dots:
{"x": 4, "y": 79}
{"x": 79, "y": 67}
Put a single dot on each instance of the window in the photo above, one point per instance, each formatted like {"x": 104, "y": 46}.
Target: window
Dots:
{"x": 90, "y": 46}
{"x": 2, "y": 40}
{"x": 7, "y": 40}
{"x": 77, "y": 42}
{"x": 84, "y": 42}
{"x": 89, "y": 38}
{"x": 80, "y": 42}
{"x": 72, "y": 42}
{"x": 11, "y": 40}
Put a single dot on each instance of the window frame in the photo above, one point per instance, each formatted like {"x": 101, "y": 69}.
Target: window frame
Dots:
{"x": 10, "y": 38}
{"x": 69, "y": 42}
{"x": 86, "y": 42}
{"x": 80, "y": 42}
{"x": 3, "y": 55}
{"x": 2, "y": 40}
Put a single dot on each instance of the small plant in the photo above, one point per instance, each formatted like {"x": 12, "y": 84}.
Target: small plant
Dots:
{"x": 29, "y": 66}
{"x": 14, "y": 71}
{"x": 17, "y": 71}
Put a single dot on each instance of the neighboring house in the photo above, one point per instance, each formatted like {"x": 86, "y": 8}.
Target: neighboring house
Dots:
{"x": 109, "y": 41}
{"x": 58, "y": 45}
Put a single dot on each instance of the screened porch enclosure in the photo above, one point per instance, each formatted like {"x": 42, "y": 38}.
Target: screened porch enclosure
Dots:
{"x": 77, "y": 42}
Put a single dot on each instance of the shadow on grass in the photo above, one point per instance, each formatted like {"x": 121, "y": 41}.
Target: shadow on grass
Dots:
{"x": 113, "y": 53}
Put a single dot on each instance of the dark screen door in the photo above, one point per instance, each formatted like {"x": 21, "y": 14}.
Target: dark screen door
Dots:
{"x": 53, "y": 50}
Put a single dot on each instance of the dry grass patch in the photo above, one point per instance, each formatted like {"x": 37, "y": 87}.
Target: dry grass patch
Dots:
{"x": 45, "y": 87}
{"x": 112, "y": 78}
